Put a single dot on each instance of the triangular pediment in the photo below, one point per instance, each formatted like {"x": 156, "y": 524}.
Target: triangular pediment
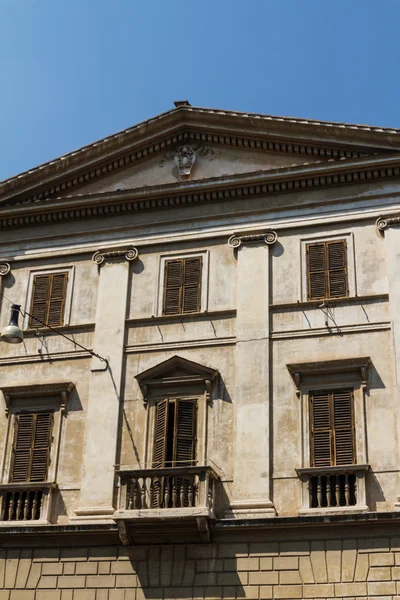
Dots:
{"x": 224, "y": 143}
{"x": 175, "y": 370}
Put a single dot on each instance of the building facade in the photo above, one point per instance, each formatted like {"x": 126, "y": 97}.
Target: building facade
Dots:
{"x": 220, "y": 415}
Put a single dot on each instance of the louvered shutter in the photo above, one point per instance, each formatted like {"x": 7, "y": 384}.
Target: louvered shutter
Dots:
{"x": 344, "y": 434}
{"x": 337, "y": 269}
{"x": 57, "y": 297}
{"x": 327, "y": 270}
{"x": 173, "y": 280}
{"x": 321, "y": 430}
{"x": 192, "y": 285}
{"x": 185, "y": 432}
{"x": 31, "y": 447}
{"x": 40, "y": 299}
{"x": 48, "y": 299}
{"x": 160, "y": 434}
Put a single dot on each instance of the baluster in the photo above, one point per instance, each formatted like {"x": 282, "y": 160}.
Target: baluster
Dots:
{"x": 143, "y": 492}
{"x": 11, "y": 507}
{"x": 190, "y": 491}
{"x": 355, "y": 490}
{"x": 19, "y": 505}
{"x": 182, "y": 492}
{"x": 337, "y": 490}
{"x": 310, "y": 486}
{"x": 166, "y": 492}
{"x": 319, "y": 491}
{"x": 131, "y": 492}
{"x": 196, "y": 490}
{"x": 174, "y": 492}
{"x": 347, "y": 489}
{"x": 27, "y": 505}
{"x": 328, "y": 490}
{"x": 35, "y": 505}
{"x": 211, "y": 489}
{"x": 150, "y": 493}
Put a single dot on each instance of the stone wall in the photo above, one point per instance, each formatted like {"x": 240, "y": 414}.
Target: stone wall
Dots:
{"x": 351, "y": 568}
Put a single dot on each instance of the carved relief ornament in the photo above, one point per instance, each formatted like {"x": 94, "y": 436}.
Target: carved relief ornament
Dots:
{"x": 268, "y": 237}
{"x": 101, "y": 256}
{"x": 184, "y": 159}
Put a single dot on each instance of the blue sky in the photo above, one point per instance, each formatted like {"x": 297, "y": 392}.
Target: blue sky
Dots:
{"x": 74, "y": 71}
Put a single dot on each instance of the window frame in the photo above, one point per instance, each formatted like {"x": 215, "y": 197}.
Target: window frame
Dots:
{"x": 70, "y": 270}
{"x": 158, "y": 309}
{"x": 348, "y": 237}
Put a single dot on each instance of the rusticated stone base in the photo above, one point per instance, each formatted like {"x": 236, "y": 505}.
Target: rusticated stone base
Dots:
{"x": 331, "y": 568}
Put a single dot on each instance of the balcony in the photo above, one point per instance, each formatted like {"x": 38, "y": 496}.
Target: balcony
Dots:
{"x": 333, "y": 489}
{"x": 26, "y": 502}
{"x": 159, "y": 499}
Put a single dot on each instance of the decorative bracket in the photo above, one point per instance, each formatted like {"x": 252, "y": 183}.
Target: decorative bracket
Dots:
{"x": 268, "y": 237}
{"x": 383, "y": 223}
{"x": 129, "y": 253}
{"x": 5, "y": 268}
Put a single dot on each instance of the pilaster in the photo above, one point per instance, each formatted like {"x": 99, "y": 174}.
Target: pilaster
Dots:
{"x": 96, "y": 499}
{"x": 252, "y": 477}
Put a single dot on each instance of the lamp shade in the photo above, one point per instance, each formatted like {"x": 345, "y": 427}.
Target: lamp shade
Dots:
{"x": 12, "y": 334}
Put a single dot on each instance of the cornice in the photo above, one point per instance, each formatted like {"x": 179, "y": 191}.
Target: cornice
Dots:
{"x": 247, "y": 141}
{"x": 265, "y": 183}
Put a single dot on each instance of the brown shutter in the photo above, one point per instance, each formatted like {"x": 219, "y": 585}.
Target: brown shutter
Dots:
{"x": 58, "y": 292}
{"x": 192, "y": 285}
{"x": 344, "y": 433}
{"x": 321, "y": 431}
{"x": 48, "y": 299}
{"x": 160, "y": 434}
{"x": 185, "y": 432}
{"x": 31, "y": 447}
{"x": 337, "y": 269}
{"x": 173, "y": 280}
{"x": 327, "y": 270}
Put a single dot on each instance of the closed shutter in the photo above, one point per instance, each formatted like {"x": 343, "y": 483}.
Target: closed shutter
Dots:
{"x": 160, "y": 434}
{"x": 31, "y": 447}
{"x": 327, "y": 270}
{"x": 48, "y": 299}
{"x": 321, "y": 432}
{"x": 343, "y": 427}
{"x": 185, "y": 432}
{"x": 332, "y": 428}
{"x": 182, "y": 286}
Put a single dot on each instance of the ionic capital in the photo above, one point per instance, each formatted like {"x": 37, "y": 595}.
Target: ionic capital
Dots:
{"x": 383, "y": 223}
{"x": 268, "y": 237}
{"x": 5, "y": 269}
{"x": 129, "y": 253}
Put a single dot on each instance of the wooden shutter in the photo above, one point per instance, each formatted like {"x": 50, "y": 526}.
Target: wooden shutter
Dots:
{"x": 48, "y": 299}
{"x": 160, "y": 434}
{"x": 321, "y": 431}
{"x": 344, "y": 433}
{"x": 327, "y": 270}
{"x": 185, "y": 432}
{"x": 332, "y": 428}
{"x": 31, "y": 447}
{"x": 182, "y": 286}
{"x": 173, "y": 279}
{"x": 192, "y": 285}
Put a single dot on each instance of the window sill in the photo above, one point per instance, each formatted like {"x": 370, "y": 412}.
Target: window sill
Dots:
{"x": 334, "y": 510}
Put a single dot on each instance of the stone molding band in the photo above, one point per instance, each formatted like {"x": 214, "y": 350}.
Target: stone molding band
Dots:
{"x": 102, "y": 256}
{"x": 383, "y": 223}
{"x": 268, "y": 237}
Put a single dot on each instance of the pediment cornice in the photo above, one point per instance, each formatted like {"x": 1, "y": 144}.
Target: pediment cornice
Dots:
{"x": 325, "y": 141}
{"x": 235, "y": 187}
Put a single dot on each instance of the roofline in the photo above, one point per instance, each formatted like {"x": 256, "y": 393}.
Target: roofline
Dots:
{"x": 25, "y": 175}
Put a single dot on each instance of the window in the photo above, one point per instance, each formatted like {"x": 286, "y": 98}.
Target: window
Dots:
{"x": 31, "y": 447}
{"x": 48, "y": 299}
{"x": 327, "y": 270}
{"x": 175, "y": 433}
{"x": 182, "y": 286}
{"x": 332, "y": 432}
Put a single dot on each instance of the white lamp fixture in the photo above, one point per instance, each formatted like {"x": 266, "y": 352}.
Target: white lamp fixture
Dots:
{"x": 12, "y": 334}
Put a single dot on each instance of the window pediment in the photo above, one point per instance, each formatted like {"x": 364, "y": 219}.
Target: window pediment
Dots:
{"x": 175, "y": 371}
